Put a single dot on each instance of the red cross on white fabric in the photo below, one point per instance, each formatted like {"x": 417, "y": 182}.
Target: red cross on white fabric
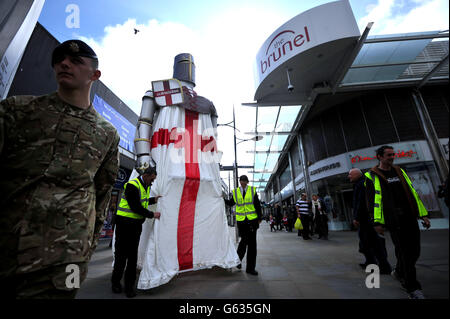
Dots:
{"x": 191, "y": 141}
{"x": 168, "y": 93}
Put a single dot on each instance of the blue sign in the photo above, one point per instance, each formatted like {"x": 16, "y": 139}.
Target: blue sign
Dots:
{"x": 122, "y": 177}
{"x": 125, "y": 129}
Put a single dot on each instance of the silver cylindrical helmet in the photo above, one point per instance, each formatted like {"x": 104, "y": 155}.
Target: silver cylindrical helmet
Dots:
{"x": 184, "y": 68}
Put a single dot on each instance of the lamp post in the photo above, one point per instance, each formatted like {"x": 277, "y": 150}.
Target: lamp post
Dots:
{"x": 235, "y": 165}
{"x": 255, "y": 138}
{"x": 235, "y": 153}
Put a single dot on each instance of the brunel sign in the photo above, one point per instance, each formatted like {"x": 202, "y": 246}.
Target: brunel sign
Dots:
{"x": 282, "y": 44}
{"x": 320, "y": 25}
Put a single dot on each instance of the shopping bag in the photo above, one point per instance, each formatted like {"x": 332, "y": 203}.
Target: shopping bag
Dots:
{"x": 298, "y": 224}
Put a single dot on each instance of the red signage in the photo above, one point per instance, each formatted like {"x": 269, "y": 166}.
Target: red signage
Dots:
{"x": 399, "y": 154}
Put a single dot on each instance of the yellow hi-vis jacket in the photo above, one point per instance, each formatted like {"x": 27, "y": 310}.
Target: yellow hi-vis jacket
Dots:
{"x": 378, "y": 216}
{"x": 244, "y": 206}
{"x": 124, "y": 208}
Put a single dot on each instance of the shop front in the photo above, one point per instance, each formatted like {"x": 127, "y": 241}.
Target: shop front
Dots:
{"x": 329, "y": 180}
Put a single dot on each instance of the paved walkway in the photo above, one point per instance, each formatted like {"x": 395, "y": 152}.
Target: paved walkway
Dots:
{"x": 289, "y": 268}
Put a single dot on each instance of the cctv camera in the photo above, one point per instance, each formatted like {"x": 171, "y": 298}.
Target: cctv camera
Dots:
{"x": 290, "y": 88}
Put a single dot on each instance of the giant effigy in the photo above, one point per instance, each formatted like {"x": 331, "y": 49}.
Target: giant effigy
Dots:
{"x": 176, "y": 133}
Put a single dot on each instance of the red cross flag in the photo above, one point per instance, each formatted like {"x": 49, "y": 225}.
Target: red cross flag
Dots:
{"x": 167, "y": 92}
{"x": 192, "y": 232}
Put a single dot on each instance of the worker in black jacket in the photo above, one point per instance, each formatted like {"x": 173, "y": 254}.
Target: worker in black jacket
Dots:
{"x": 131, "y": 214}
{"x": 371, "y": 244}
{"x": 248, "y": 218}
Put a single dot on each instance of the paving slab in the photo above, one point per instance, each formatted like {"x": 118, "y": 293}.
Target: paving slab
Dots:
{"x": 289, "y": 268}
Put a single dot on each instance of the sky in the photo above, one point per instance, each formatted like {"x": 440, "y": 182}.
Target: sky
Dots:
{"x": 223, "y": 37}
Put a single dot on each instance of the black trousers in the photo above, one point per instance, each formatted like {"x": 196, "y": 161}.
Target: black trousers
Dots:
{"x": 406, "y": 239}
{"x": 312, "y": 225}
{"x": 247, "y": 231}
{"x": 290, "y": 225}
{"x": 373, "y": 247}
{"x": 128, "y": 233}
{"x": 272, "y": 226}
{"x": 322, "y": 225}
{"x": 306, "y": 225}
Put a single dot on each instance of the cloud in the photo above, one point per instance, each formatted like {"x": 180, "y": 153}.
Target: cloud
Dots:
{"x": 224, "y": 52}
{"x": 391, "y": 16}
{"x": 129, "y": 62}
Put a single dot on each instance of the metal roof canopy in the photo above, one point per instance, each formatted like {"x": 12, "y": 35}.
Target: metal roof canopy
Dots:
{"x": 434, "y": 66}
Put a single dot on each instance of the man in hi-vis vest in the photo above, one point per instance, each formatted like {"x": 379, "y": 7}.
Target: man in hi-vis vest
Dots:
{"x": 131, "y": 214}
{"x": 248, "y": 217}
{"x": 394, "y": 204}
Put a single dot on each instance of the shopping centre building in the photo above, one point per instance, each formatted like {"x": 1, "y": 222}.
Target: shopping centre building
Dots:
{"x": 328, "y": 96}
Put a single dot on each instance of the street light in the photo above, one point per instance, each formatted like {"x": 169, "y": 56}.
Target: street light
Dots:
{"x": 255, "y": 138}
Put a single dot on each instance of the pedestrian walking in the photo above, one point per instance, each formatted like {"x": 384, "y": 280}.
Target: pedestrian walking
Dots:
{"x": 248, "y": 217}
{"x": 272, "y": 224}
{"x": 278, "y": 217}
{"x": 320, "y": 217}
{"x": 285, "y": 222}
{"x": 59, "y": 160}
{"x": 443, "y": 192}
{"x": 371, "y": 244}
{"x": 304, "y": 213}
{"x": 292, "y": 216}
{"x": 131, "y": 214}
{"x": 395, "y": 205}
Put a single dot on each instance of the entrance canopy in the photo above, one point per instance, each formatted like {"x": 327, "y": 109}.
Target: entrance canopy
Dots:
{"x": 304, "y": 53}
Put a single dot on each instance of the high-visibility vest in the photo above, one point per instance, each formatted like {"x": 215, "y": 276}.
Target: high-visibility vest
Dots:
{"x": 378, "y": 216}
{"x": 124, "y": 208}
{"x": 244, "y": 206}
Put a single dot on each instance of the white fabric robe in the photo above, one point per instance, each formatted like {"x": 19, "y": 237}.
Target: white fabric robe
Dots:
{"x": 212, "y": 244}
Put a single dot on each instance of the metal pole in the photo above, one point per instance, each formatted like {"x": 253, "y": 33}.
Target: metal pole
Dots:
{"x": 301, "y": 152}
{"x": 291, "y": 164}
{"x": 229, "y": 183}
{"x": 278, "y": 186}
{"x": 236, "y": 183}
{"x": 230, "y": 216}
{"x": 437, "y": 151}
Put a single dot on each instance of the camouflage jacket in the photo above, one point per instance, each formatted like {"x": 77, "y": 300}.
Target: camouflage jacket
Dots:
{"x": 58, "y": 166}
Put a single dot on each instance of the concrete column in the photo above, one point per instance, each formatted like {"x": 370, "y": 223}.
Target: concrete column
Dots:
{"x": 301, "y": 151}
{"x": 291, "y": 165}
{"x": 437, "y": 151}
{"x": 278, "y": 185}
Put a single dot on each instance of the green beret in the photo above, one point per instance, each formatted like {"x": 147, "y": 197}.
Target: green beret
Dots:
{"x": 72, "y": 48}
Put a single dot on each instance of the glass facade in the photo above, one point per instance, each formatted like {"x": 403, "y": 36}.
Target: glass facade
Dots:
{"x": 379, "y": 117}
{"x": 367, "y": 120}
{"x": 371, "y": 106}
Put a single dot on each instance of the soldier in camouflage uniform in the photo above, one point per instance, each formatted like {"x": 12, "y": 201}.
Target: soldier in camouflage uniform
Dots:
{"x": 59, "y": 161}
